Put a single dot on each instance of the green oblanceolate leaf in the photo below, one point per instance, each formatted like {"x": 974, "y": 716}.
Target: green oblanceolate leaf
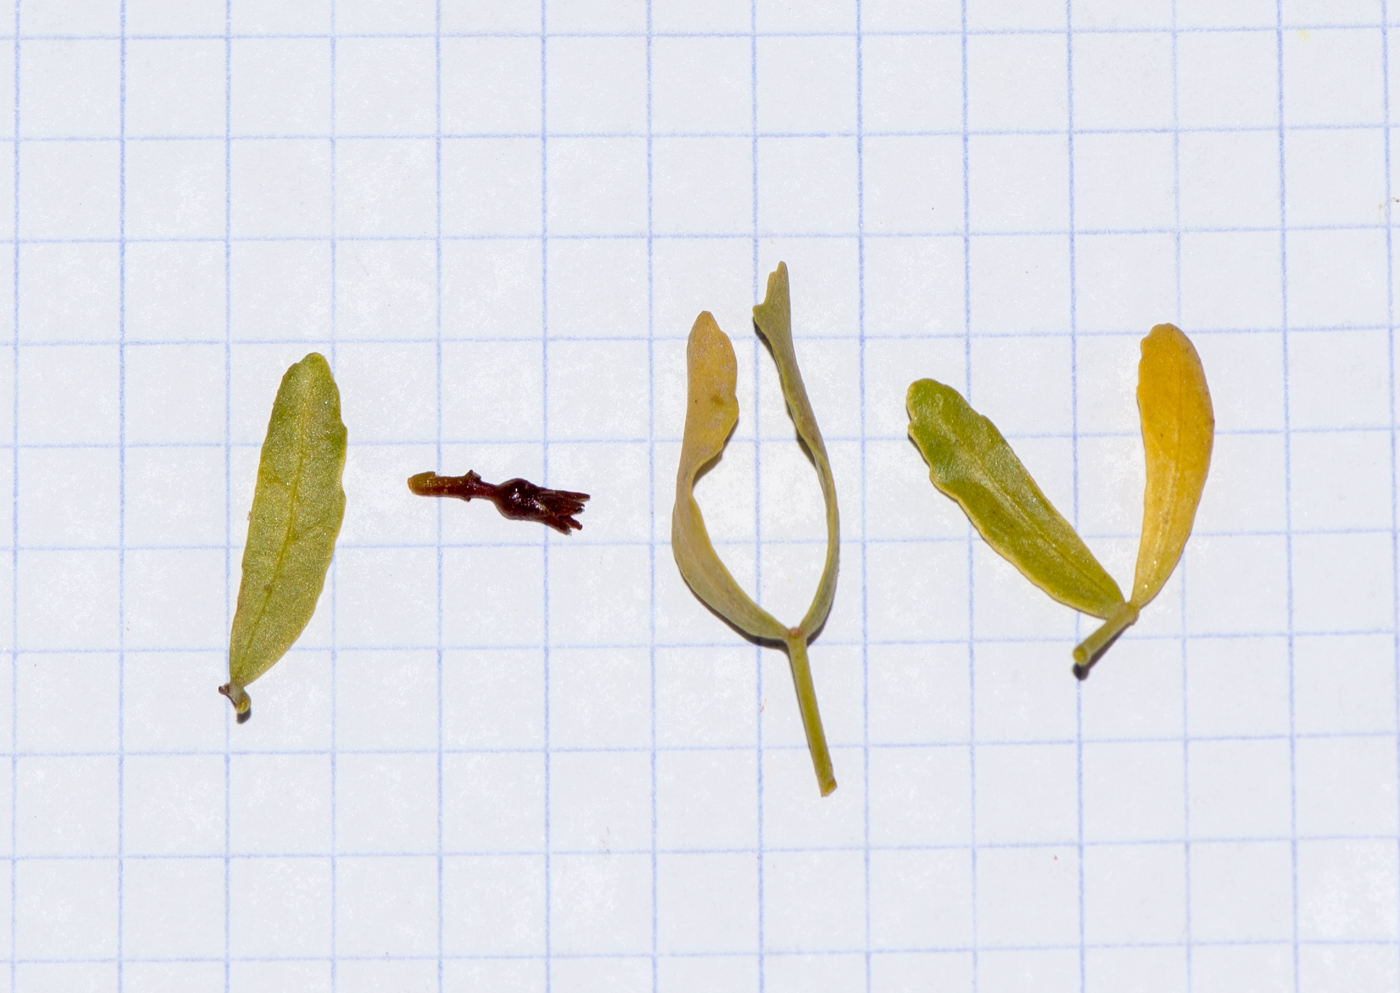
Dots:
{"x": 971, "y": 462}
{"x": 297, "y": 509}
{"x": 711, "y": 413}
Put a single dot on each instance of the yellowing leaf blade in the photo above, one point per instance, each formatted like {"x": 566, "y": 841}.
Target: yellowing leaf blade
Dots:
{"x": 971, "y": 462}
{"x": 298, "y": 506}
{"x": 712, "y": 410}
{"x": 1178, "y": 432}
{"x": 773, "y": 318}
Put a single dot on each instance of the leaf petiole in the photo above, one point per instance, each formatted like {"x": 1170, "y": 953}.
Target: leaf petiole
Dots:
{"x": 796, "y": 643}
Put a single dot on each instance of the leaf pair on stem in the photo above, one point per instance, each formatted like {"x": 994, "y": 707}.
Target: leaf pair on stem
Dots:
{"x": 712, "y": 411}
{"x": 971, "y": 462}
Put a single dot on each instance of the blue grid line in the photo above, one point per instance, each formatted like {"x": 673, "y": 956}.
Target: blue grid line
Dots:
{"x": 14, "y": 545}
{"x": 1074, "y": 478}
{"x": 1060, "y": 844}
{"x": 332, "y": 579}
{"x": 1188, "y": 935}
{"x": 437, "y": 462}
{"x": 864, "y": 487}
{"x": 651, "y": 515}
{"x": 641, "y": 236}
{"x": 595, "y": 35}
{"x": 756, "y": 350}
{"x": 121, "y": 522}
{"x": 544, "y": 438}
{"x": 486, "y": 136}
{"x": 884, "y": 745}
{"x": 967, "y": 528}
{"x": 228, "y": 478}
{"x": 1390, "y": 382}
{"x": 1288, "y": 490}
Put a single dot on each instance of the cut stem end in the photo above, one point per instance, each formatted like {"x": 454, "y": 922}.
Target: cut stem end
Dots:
{"x": 242, "y": 702}
{"x": 1092, "y": 648}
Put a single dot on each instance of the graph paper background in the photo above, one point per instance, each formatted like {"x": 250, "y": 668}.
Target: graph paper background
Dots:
{"x": 506, "y": 761}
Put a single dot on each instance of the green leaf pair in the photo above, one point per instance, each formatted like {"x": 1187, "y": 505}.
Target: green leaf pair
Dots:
{"x": 971, "y": 462}
{"x": 711, "y": 413}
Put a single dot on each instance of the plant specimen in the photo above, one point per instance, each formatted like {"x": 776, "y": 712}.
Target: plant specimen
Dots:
{"x": 517, "y": 499}
{"x": 971, "y": 462}
{"x": 298, "y": 505}
{"x": 712, "y": 411}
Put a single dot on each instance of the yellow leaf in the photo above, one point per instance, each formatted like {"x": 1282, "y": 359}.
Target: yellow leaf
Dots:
{"x": 1178, "y": 431}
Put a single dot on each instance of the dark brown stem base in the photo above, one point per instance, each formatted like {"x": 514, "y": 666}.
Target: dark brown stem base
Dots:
{"x": 517, "y": 499}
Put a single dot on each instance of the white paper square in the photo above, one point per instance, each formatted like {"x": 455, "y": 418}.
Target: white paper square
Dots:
{"x": 1343, "y": 888}
{"x": 386, "y": 906}
{"x": 691, "y": 889}
{"x": 174, "y": 290}
{"x": 173, "y": 908}
{"x": 1133, "y": 791}
{"x": 1125, "y": 181}
{"x": 806, "y": 84}
{"x": 173, "y": 805}
{"x": 493, "y": 802}
{"x": 1025, "y": 793}
{"x": 1327, "y": 78}
{"x": 385, "y": 86}
{"x": 1016, "y": 81}
{"x": 71, "y": 189}
{"x": 597, "y": 186}
{"x": 1227, "y": 79}
{"x": 280, "y": 86}
{"x": 491, "y": 186}
{"x": 690, "y": 783}
{"x": 806, "y": 186}
{"x": 913, "y": 185}
{"x": 917, "y": 900}
{"x": 1027, "y": 894}
{"x": 65, "y": 908}
{"x": 1229, "y": 179}
{"x": 1134, "y": 893}
{"x": 701, "y": 84}
{"x": 600, "y": 801}
{"x": 1335, "y": 177}
{"x": 69, "y": 806}
{"x": 601, "y": 902}
{"x": 490, "y": 84}
{"x": 280, "y": 907}
{"x": 702, "y": 185}
{"x": 284, "y": 803}
{"x": 920, "y": 796}
{"x": 796, "y": 910}
{"x": 386, "y": 187}
{"x": 595, "y": 85}
{"x": 910, "y": 82}
{"x": 280, "y": 188}
{"x": 69, "y": 88}
{"x": 175, "y": 87}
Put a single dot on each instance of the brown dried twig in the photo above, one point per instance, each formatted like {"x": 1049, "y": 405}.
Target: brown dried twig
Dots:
{"x": 517, "y": 499}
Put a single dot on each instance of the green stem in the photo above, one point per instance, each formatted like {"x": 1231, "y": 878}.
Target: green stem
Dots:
{"x": 807, "y": 704}
{"x": 1089, "y": 650}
